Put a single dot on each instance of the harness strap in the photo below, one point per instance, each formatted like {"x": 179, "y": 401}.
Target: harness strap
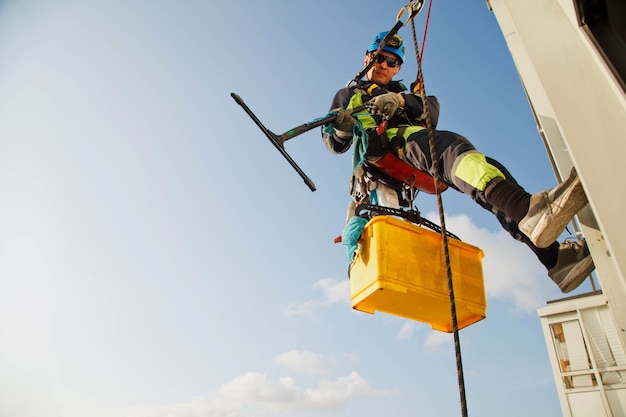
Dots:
{"x": 398, "y": 142}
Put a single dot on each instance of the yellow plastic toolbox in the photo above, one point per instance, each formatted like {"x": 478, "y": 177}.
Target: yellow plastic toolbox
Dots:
{"x": 399, "y": 268}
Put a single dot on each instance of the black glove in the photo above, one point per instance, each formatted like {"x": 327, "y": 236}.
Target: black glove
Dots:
{"x": 344, "y": 120}
{"x": 385, "y": 104}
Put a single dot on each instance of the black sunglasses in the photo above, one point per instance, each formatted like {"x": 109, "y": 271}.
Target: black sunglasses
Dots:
{"x": 391, "y": 61}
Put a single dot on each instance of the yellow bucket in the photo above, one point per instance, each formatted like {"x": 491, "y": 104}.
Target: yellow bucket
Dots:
{"x": 399, "y": 268}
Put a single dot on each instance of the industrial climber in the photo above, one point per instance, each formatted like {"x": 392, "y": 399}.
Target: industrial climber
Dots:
{"x": 537, "y": 219}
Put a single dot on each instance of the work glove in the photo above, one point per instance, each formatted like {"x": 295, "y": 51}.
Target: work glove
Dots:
{"x": 344, "y": 121}
{"x": 385, "y": 105}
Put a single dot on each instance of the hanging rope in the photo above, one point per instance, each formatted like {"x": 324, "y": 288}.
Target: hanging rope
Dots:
{"x": 430, "y": 5}
{"x": 417, "y": 89}
{"x": 444, "y": 236}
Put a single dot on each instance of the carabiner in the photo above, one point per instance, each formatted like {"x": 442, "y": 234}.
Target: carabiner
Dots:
{"x": 413, "y": 8}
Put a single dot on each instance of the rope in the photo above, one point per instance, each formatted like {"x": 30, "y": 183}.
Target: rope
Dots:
{"x": 417, "y": 89}
{"x": 430, "y": 4}
{"x": 444, "y": 236}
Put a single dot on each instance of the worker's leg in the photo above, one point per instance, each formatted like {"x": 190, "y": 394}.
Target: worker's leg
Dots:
{"x": 568, "y": 263}
{"x": 542, "y": 217}
{"x": 547, "y": 256}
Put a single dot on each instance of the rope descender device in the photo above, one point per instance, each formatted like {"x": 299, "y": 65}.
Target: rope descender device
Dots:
{"x": 413, "y": 7}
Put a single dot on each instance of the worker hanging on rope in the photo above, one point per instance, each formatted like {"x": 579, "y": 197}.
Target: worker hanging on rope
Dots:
{"x": 537, "y": 220}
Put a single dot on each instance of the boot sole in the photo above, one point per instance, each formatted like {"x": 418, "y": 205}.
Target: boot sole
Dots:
{"x": 549, "y": 227}
{"x": 577, "y": 275}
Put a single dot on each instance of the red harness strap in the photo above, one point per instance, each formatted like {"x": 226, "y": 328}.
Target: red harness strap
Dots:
{"x": 394, "y": 167}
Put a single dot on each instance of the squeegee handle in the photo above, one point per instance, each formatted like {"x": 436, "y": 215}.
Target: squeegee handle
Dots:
{"x": 305, "y": 127}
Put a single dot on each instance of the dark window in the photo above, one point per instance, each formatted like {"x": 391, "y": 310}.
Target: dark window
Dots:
{"x": 605, "y": 22}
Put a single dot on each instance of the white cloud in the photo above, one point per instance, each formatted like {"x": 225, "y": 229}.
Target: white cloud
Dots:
{"x": 306, "y": 309}
{"x": 254, "y": 394}
{"x": 333, "y": 394}
{"x": 307, "y": 362}
{"x": 436, "y": 339}
{"x": 407, "y": 329}
{"x": 333, "y": 291}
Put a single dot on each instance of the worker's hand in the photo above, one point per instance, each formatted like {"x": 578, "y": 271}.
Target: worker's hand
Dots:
{"x": 344, "y": 121}
{"x": 385, "y": 105}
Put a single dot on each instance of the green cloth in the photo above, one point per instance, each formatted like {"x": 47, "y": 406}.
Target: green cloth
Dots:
{"x": 351, "y": 234}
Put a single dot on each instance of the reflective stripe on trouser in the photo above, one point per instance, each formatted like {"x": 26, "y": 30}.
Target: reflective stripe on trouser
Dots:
{"x": 473, "y": 169}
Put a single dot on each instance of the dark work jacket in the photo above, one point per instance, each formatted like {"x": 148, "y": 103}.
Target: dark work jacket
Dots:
{"x": 413, "y": 113}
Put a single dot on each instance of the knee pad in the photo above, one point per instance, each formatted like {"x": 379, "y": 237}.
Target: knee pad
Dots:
{"x": 473, "y": 169}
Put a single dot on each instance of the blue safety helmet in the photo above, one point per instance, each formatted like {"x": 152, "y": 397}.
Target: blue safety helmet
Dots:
{"x": 395, "y": 45}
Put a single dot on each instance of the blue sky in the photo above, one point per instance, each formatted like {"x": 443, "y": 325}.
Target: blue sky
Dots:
{"x": 158, "y": 257}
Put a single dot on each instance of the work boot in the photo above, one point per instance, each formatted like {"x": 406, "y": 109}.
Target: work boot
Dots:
{"x": 573, "y": 265}
{"x": 550, "y": 211}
